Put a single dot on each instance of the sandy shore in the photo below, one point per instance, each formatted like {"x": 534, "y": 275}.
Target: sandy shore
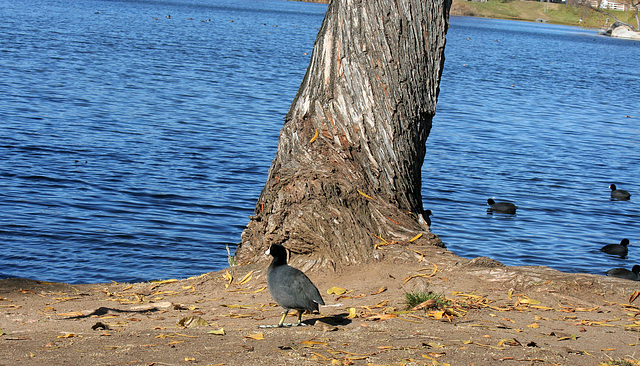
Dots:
{"x": 495, "y": 315}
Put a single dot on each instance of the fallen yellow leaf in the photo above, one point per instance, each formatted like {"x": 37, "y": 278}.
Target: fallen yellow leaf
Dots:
{"x": 174, "y": 335}
{"x": 336, "y": 290}
{"x": 165, "y": 293}
{"x": 73, "y": 313}
{"x": 382, "y": 243}
{"x": 415, "y": 238}
{"x": 257, "y": 336}
{"x": 526, "y": 300}
{"x": 509, "y": 342}
{"x": 236, "y": 306}
{"x": 67, "y": 298}
{"x": 588, "y": 309}
{"x": 433, "y": 273}
{"x": 352, "y": 313}
{"x": 435, "y": 345}
{"x": 431, "y": 303}
{"x": 318, "y": 356}
{"x": 315, "y": 136}
{"x": 246, "y": 278}
{"x": 68, "y": 335}
{"x": 487, "y": 345}
{"x": 534, "y": 326}
{"x": 542, "y": 307}
{"x": 634, "y": 296}
{"x": 383, "y": 316}
{"x": 435, "y": 354}
{"x": 162, "y": 282}
{"x": 357, "y": 358}
{"x": 192, "y": 321}
{"x": 313, "y": 343}
{"x": 227, "y": 276}
{"x": 217, "y": 331}
{"x": 365, "y": 195}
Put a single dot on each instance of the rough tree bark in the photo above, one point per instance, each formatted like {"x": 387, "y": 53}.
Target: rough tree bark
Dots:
{"x": 347, "y": 173}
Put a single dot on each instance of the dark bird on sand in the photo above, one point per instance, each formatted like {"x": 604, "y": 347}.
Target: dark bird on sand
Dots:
{"x": 289, "y": 287}
{"x": 617, "y": 249}
{"x": 624, "y": 273}
{"x": 619, "y": 194}
{"x": 501, "y": 207}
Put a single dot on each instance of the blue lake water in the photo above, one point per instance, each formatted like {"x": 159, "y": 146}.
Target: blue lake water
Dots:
{"x": 136, "y": 136}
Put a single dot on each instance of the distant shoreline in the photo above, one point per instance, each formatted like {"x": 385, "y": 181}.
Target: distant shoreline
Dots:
{"x": 532, "y": 11}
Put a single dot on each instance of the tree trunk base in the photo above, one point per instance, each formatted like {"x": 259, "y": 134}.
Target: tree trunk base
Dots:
{"x": 347, "y": 175}
{"x": 329, "y": 223}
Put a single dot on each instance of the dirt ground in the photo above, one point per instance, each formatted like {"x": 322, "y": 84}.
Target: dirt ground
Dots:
{"x": 495, "y": 315}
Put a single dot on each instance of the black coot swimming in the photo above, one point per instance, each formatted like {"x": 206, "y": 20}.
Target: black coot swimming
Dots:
{"x": 501, "y": 207}
{"x": 617, "y": 249}
{"x": 634, "y": 274}
{"x": 289, "y": 287}
{"x": 426, "y": 215}
{"x": 619, "y": 194}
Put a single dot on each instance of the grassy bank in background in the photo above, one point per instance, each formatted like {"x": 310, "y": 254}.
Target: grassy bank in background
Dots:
{"x": 536, "y": 11}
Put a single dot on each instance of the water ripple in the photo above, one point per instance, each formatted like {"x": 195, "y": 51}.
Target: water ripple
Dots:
{"x": 135, "y": 148}
{"x": 532, "y": 127}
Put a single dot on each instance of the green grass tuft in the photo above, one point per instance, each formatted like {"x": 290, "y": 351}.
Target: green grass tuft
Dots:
{"x": 413, "y": 299}
{"x": 230, "y": 258}
{"x": 620, "y": 362}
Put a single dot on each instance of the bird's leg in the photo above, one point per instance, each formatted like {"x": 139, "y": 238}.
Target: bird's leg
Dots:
{"x": 284, "y": 315}
{"x": 299, "y": 317}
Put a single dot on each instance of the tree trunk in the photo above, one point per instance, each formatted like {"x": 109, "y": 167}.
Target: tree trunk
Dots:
{"x": 347, "y": 173}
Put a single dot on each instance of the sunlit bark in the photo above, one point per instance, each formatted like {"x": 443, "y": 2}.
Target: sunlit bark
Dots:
{"x": 347, "y": 173}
